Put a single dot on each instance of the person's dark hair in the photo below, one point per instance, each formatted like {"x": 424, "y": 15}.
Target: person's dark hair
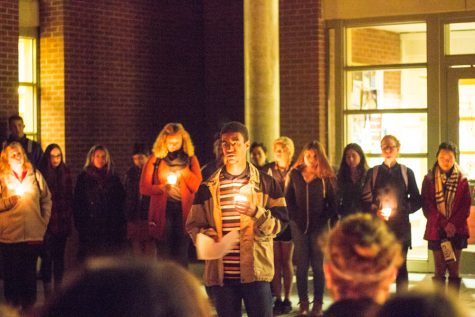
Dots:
{"x": 235, "y": 126}
{"x": 127, "y": 287}
{"x": 258, "y": 144}
{"x": 15, "y": 117}
{"x": 448, "y": 146}
{"x": 344, "y": 171}
{"x": 421, "y": 303}
{"x": 139, "y": 148}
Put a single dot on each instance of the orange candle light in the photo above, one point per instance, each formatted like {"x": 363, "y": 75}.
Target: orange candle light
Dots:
{"x": 20, "y": 190}
{"x": 386, "y": 212}
{"x": 240, "y": 197}
{"x": 171, "y": 179}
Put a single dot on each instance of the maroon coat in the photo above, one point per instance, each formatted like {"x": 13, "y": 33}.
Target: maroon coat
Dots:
{"x": 460, "y": 212}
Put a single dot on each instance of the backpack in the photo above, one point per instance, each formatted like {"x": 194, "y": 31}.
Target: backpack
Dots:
{"x": 403, "y": 172}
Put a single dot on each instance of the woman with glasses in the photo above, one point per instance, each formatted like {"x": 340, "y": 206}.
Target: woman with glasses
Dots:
{"x": 58, "y": 177}
{"x": 390, "y": 192}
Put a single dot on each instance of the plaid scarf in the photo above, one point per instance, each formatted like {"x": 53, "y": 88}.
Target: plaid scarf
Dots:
{"x": 445, "y": 189}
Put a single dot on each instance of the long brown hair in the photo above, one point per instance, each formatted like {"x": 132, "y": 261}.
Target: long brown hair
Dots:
{"x": 324, "y": 167}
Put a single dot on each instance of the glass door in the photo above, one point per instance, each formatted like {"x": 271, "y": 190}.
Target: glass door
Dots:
{"x": 461, "y": 130}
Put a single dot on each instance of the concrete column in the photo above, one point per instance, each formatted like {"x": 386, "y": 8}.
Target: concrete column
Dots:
{"x": 261, "y": 70}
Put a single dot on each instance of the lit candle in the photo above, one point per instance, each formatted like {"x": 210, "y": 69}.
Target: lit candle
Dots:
{"x": 240, "y": 197}
{"x": 386, "y": 212}
{"x": 171, "y": 179}
{"x": 19, "y": 190}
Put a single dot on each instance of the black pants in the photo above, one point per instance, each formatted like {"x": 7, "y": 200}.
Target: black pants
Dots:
{"x": 52, "y": 258}
{"x": 176, "y": 243}
{"x": 19, "y": 273}
{"x": 402, "y": 279}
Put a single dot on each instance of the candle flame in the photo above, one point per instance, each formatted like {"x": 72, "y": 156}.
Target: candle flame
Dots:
{"x": 240, "y": 197}
{"x": 171, "y": 179}
{"x": 386, "y": 212}
{"x": 19, "y": 190}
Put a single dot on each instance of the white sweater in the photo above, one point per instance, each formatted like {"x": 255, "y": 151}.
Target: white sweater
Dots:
{"x": 28, "y": 219}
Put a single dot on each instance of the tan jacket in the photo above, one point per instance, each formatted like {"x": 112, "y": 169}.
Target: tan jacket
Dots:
{"x": 28, "y": 219}
{"x": 256, "y": 233}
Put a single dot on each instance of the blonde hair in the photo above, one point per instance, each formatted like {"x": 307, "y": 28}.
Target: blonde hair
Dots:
{"x": 93, "y": 150}
{"x": 362, "y": 252}
{"x": 392, "y": 137}
{"x": 160, "y": 147}
{"x": 5, "y": 167}
{"x": 286, "y": 143}
{"x": 324, "y": 167}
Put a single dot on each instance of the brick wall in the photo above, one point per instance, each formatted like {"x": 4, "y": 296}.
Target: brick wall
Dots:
{"x": 224, "y": 65}
{"x": 130, "y": 67}
{"x": 52, "y": 123}
{"x": 302, "y": 72}
{"x": 8, "y": 63}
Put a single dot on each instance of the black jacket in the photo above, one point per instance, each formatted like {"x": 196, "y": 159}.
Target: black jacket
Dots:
{"x": 311, "y": 205}
{"x": 98, "y": 208}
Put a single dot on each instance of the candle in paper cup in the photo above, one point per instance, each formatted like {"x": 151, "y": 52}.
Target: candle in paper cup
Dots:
{"x": 386, "y": 212}
{"x": 171, "y": 179}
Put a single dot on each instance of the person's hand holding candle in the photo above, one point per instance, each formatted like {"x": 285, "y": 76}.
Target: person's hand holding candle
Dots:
{"x": 244, "y": 206}
{"x": 19, "y": 190}
{"x": 385, "y": 213}
{"x": 172, "y": 179}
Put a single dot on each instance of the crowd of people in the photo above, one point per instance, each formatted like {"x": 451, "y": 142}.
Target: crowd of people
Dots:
{"x": 350, "y": 226}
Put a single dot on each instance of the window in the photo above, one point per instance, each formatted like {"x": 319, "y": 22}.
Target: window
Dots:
{"x": 386, "y": 90}
{"x": 28, "y": 85}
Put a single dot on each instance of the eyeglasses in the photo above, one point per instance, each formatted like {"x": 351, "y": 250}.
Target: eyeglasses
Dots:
{"x": 55, "y": 156}
{"x": 389, "y": 147}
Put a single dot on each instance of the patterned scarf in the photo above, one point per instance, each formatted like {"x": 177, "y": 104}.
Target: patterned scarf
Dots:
{"x": 445, "y": 189}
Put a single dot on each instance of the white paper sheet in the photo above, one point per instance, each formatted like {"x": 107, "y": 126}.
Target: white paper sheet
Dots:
{"x": 208, "y": 249}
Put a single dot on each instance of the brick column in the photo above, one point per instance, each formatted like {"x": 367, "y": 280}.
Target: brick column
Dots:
{"x": 261, "y": 69}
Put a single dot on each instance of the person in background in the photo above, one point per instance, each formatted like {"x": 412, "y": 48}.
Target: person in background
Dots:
{"x": 446, "y": 205}
{"x": 171, "y": 177}
{"x": 283, "y": 148}
{"x": 350, "y": 179}
{"x": 137, "y": 206}
{"x": 58, "y": 178}
{"x": 98, "y": 206}
{"x": 129, "y": 287}
{"x": 23, "y": 226}
{"x": 362, "y": 257}
{"x": 311, "y": 201}
{"x": 390, "y": 192}
{"x": 421, "y": 303}
{"x": 212, "y": 166}
{"x": 258, "y": 153}
{"x": 239, "y": 197}
{"x": 32, "y": 148}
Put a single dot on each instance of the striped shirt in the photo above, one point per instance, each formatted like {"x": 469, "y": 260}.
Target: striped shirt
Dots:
{"x": 229, "y": 186}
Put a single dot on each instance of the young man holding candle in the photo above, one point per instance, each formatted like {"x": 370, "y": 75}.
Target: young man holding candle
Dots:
{"x": 391, "y": 193}
{"x": 239, "y": 197}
